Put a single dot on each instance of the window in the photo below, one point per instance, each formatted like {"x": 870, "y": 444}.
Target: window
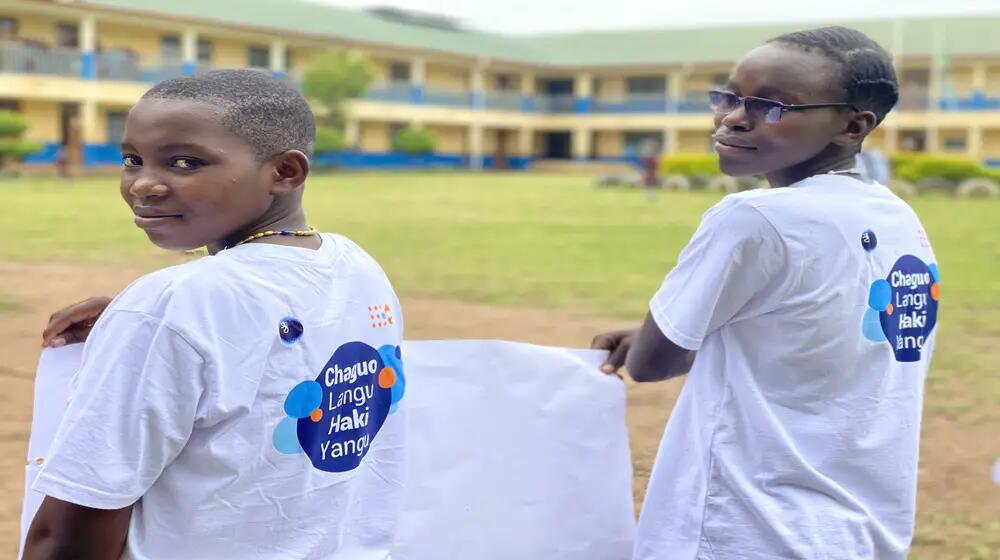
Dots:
{"x": 913, "y": 141}
{"x": 399, "y": 71}
{"x": 67, "y": 36}
{"x": 8, "y": 28}
{"x": 9, "y": 105}
{"x": 170, "y": 48}
{"x": 954, "y": 144}
{"x": 505, "y": 82}
{"x": 204, "y": 51}
{"x": 720, "y": 80}
{"x": 259, "y": 57}
{"x": 646, "y": 84}
{"x": 116, "y": 126}
{"x": 288, "y": 60}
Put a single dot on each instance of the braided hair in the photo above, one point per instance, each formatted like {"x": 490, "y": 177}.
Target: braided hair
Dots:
{"x": 866, "y": 71}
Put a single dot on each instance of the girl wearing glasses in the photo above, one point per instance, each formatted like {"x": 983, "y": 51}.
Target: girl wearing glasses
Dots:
{"x": 805, "y": 315}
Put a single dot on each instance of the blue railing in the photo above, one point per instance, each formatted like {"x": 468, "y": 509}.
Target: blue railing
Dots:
{"x": 978, "y": 101}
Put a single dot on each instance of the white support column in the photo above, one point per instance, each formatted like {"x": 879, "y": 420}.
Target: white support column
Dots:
{"x": 90, "y": 132}
{"x": 277, "y": 62}
{"x": 477, "y": 87}
{"x": 526, "y": 142}
{"x": 974, "y": 142}
{"x": 583, "y": 85}
{"x": 189, "y": 50}
{"x": 581, "y": 144}
{"x": 932, "y": 140}
{"x": 352, "y": 132}
{"x": 88, "y": 34}
{"x": 979, "y": 77}
{"x": 675, "y": 89}
{"x": 475, "y": 139}
{"x": 418, "y": 72}
{"x": 891, "y": 140}
{"x": 88, "y": 47}
{"x": 671, "y": 137}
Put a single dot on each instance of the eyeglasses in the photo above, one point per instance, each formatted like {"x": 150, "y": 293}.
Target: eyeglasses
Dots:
{"x": 759, "y": 108}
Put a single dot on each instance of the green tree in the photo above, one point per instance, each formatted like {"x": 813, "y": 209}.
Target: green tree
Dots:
{"x": 12, "y": 146}
{"x": 414, "y": 141}
{"x": 333, "y": 78}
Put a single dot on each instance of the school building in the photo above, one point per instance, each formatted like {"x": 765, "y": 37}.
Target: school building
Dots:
{"x": 74, "y": 67}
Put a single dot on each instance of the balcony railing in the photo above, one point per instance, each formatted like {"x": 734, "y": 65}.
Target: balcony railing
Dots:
{"x": 555, "y": 103}
{"x": 397, "y": 92}
{"x": 633, "y": 103}
{"x": 21, "y": 57}
{"x": 504, "y": 100}
{"x": 447, "y": 97}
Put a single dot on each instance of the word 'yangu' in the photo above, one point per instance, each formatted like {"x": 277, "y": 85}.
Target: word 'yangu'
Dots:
{"x": 335, "y": 375}
{"x": 909, "y": 280}
{"x": 339, "y": 449}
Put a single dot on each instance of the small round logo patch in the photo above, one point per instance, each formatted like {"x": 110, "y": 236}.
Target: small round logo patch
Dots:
{"x": 290, "y": 330}
{"x": 868, "y": 240}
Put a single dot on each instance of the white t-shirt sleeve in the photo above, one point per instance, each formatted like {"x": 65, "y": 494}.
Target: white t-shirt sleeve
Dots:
{"x": 132, "y": 410}
{"x": 735, "y": 254}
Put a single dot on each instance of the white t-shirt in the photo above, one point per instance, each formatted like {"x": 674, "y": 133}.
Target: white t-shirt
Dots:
{"x": 796, "y": 435}
{"x": 248, "y": 402}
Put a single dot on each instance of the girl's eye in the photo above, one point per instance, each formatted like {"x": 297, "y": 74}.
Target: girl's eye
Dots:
{"x": 186, "y": 163}
{"x": 131, "y": 161}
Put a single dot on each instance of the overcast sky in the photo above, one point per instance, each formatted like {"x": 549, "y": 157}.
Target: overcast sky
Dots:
{"x": 538, "y": 16}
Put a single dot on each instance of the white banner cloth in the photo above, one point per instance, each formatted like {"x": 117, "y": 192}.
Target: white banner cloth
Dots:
{"x": 513, "y": 451}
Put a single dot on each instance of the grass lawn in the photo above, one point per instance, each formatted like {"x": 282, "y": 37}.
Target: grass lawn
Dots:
{"x": 558, "y": 242}
{"x": 538, "y": 240}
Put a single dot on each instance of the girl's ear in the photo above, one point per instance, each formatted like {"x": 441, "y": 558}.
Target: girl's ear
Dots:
{"x": 857, "y": 128}
{"x": 290, "y": 171}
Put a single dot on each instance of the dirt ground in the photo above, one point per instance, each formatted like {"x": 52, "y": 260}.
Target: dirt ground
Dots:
{"x": 957, "y": 499}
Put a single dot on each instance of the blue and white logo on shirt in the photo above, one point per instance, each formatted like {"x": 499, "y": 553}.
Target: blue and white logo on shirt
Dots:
{"x": 902, "y": 308}
{"x": 334, "y": 418}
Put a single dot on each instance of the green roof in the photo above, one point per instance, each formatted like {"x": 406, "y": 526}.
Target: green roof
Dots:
{"x": 920, "y": 36}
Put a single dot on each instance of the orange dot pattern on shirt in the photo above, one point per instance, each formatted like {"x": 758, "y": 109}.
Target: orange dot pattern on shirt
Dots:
{"x": 936, "y": 292}
{"x": 316, "y": 415}
{"x": 889, "y": 308}
{"x": 380, "y": 316}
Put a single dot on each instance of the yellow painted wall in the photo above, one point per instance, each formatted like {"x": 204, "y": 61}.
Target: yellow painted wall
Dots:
{"x": 301, "y": 59}
{"x": 993, "y": 80}
{"x": 991, "y": 143}
{"x": 609, "y": 143}
{"x": 448, "y": 139}
{"x": 952, "y": 134}
{"x": 36, "y": 28}
{"x": 960, "y": 80}
{"x": 450, "y": 78}
{"x": 143, "y": 42}
{"x": 491, "y": 139}
{"x": 698, "y": 84}
{"x": 693, "y": 141}
{"x": 230, "y": 53}
{"x": 876, "y": 140}
{"x": 374, "y": 137}
{"x": 612, "y": 87}
{"x": 43, "y": 120}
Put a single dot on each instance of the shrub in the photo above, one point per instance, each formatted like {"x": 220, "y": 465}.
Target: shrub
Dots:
{"x": 329, "y": 140}
{"x": 918, "y": 168}
{"x": 689, "y": 165}
{"x": 413, "y": 141}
